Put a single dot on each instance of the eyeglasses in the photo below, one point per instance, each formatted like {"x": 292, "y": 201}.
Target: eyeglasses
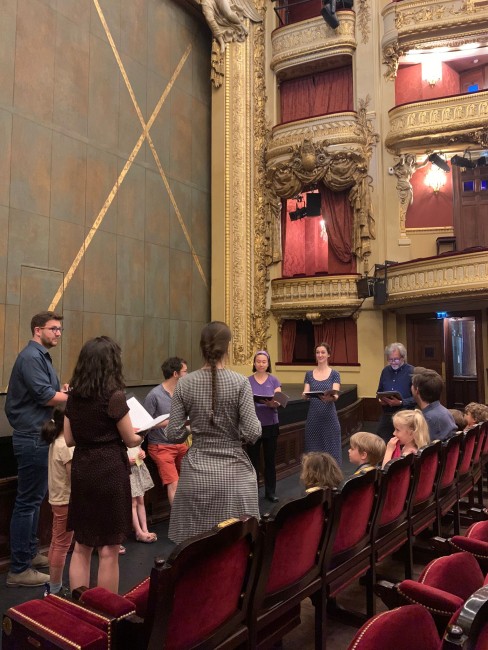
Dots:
{"x": 54, "y": 330}
{"x": 395, "y": 360}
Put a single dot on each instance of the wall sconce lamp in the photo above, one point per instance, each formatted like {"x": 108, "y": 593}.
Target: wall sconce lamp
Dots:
{"x": 435, "y": 179}
{"x": 432, "y": 70}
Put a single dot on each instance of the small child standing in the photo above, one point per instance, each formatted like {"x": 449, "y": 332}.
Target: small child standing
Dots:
{"x": 59, "y": 484}
{"x": 319, "y": 469}
{"x": 140, "y": 482}
{"x": 365, "y": 450}
{"x": 410, "y": 434}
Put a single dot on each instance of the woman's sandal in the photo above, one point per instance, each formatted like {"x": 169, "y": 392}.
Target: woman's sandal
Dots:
{"x": 148, "y": 538}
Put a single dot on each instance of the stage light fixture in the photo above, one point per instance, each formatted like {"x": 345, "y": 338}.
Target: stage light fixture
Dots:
{"x": 463, "y": 161}
{"x": 297, "y": 214}
{"x": 436, "y": 160}
{"x": 482, "y": 161}
{"x": 328, "y": 12}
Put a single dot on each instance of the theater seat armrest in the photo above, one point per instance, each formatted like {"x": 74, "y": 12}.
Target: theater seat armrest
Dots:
{"x": 107, "y": 602}
{"x": 436, "y": 600}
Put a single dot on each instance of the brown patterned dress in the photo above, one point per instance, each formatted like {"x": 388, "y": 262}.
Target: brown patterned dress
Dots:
{"x": 100, "y": 506}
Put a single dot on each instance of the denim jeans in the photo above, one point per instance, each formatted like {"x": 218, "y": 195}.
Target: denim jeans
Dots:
{"x": 32, "y": 456}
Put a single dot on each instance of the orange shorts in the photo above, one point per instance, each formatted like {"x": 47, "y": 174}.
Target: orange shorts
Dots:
{"x": 168, "y": 460}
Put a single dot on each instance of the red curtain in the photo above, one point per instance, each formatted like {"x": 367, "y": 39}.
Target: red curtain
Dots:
{"x": 288, "y": 336}
{"x": 305, "y": 248}
{"x": 337, "y": 213}
{"x": 322, "y": 93}
{"x": 341, "y": 335}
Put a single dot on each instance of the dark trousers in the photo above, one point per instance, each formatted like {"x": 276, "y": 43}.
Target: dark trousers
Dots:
{"x": 268, "y": 444}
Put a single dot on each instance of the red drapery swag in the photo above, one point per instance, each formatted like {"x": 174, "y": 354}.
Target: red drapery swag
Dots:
{"x": 337, "y": 213}
{"x": 321, "y": 93}
{"x": 341, "y": 335}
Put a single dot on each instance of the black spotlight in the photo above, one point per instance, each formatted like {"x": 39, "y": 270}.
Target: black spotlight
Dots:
{"x": 436, "y": 160}
{"x": 482, "y": 161}
{"x": 462, "y": 161}
{"x": 328, "y": 12}
{"x": 297, "y": 214}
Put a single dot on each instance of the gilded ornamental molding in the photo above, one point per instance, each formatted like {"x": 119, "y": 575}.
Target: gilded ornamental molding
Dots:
{"x": 444, "y": 123}
{"x": 438, "y": 279}
{"x": 315, "y": 299}
{"x": 312, "y": 46}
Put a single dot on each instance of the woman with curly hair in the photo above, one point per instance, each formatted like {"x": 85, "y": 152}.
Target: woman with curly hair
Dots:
{"x": 97, "y": 421}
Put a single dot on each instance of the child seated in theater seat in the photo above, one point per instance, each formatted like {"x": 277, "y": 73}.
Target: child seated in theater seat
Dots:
{"x": 410, "y": 434}
{"x": 459, "y": 418}
{"x": 319, "y": 469}
{"x": 474, "y": 414}
{"x": 366, "y": 450}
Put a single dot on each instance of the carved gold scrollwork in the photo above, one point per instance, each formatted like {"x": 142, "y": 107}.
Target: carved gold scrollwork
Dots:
{"x": 391, "y": 55}
{"x": 217, "y": 65}
{"x": 364, "y": 19}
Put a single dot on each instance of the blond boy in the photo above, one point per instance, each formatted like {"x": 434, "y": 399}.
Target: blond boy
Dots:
{"x": 366, "y": 450}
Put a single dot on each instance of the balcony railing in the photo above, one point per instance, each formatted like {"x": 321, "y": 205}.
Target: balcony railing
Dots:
{"x": 314, "y": 298}
{"x": 312, "y": 46}
{"x": 446, "y": 123}
{"x": 438, "y": 280}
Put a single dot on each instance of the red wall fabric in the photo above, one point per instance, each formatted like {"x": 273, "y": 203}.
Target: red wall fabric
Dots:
{"x": 409, "y": 86}
{"x": 428, "y": 209}
{"x": 322, "y": 93}
{"x": 305, "y": 252}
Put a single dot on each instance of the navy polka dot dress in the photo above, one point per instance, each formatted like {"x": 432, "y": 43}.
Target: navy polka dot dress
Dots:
{"x": 322, "y": 429}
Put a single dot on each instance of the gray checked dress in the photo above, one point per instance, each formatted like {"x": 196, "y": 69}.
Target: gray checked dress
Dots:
{"x": 217, "y": 480}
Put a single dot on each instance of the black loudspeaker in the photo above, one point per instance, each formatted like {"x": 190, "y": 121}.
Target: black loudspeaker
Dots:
{"x": 380, "y": 293}
{"x": 365, "y": 287}
{"x": 314, "y": 208}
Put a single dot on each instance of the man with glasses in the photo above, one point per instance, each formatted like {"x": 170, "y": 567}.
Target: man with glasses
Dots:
{"x": 396, "y": 376}
{"x": 33, "y": 391}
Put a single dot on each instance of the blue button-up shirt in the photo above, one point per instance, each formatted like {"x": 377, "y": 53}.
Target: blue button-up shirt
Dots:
{"x": 399, "y": 379}
{"x": 32, "y": 384}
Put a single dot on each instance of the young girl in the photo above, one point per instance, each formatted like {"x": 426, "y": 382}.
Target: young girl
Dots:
{"x": 140, "y": 482}
{"x": 59, "y": 482}
{"x": 320, "y": 469}
{"x": 410, "y": 434}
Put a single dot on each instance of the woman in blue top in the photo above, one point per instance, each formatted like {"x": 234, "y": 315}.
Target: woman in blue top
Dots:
{"x": 322, "y": 429}
{"x": 263, "y": 383}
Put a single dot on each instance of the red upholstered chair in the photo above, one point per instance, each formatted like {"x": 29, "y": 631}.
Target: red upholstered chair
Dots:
{"x": 446, "y": 491}
{"x": 389, "y": 531}
{"x": 199, "y": 596}
{"x": 422, "y": 506}
{"x": 404, "y": 628}
{"x": 469, "y": 628}
{"x": 55, "y": 622}
{"x": 474, "y": 541}
{"x": 442, "y": 588}
{"x": 348, "y": 553}
{"x": 469, "y": 449}
{"x": 480, "y": 458}
{"x": 290, "y": 568}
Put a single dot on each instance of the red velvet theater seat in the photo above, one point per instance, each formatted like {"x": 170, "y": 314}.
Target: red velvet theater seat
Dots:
{"x": 407, "y": 627}
{"x": 474, "y": 541}
{"x": 199, "y": 595}
{"x": 54, "y": 622}
{"x": 442, "y": 588}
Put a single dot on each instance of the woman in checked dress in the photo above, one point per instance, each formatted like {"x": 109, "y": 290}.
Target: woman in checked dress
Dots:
{"x": 217, "y": 479}
{"x": 322, "y": 430}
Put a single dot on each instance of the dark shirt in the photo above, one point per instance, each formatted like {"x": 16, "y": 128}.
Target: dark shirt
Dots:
{"x": 32, "y": 384}
{"x": 400, "y": 380}
{"x": 440, "y": 421}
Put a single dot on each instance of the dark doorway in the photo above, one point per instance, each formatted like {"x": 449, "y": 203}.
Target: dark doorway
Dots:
{"x": 452, "y": 345}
